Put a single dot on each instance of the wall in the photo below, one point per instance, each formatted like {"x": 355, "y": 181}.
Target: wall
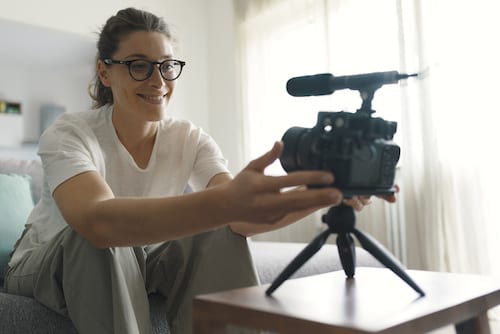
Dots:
{"x": 226, "y": 119}
{"x": 36, "y": 87}
{"x": 207, "y": 92}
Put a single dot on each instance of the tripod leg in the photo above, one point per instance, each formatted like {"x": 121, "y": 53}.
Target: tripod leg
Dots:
{"x": 347, "y": 253}
{"x": 386, "y": 258}
{"x": 311, "y": 249}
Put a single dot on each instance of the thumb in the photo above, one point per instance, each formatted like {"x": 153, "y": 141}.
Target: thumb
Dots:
{"x": 267, "y": 158}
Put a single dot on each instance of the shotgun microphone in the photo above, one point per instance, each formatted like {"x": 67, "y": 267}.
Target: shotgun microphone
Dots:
{"x": 326, "y": 83}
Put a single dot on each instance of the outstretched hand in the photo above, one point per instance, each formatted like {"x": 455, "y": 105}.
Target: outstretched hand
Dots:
{"x": 254, "y": 197}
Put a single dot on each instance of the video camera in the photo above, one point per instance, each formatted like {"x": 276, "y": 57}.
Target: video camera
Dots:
{"x": 358, "y": 149}
{"x": 355, "y": 147}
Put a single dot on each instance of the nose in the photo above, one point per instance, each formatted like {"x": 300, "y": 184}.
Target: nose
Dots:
{"x": 156, "y": 79}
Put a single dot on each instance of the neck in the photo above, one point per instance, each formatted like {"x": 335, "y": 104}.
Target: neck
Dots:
{"x": 137, "y": 138}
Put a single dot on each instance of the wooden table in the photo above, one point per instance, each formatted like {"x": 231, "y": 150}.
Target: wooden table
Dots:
{"x": 375, "y": 301}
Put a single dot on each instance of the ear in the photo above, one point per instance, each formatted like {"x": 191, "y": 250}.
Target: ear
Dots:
{"x": 103, "y": 73}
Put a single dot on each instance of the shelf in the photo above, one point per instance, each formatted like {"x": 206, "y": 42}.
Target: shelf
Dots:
{"x": 10, "y": 108}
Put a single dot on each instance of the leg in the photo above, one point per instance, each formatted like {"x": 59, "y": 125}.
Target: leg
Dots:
{"x": 347, "y": 253}
{"x": 208, "y": 262}
{"x": 477, "y": 325}
{"x": 386, "y": 258}
{"x": 208, "y": 327}
{"x": 312, "y": 248}
{"x": 101, "y": 290}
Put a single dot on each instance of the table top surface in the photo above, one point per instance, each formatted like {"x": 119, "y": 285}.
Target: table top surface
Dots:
{"x": 374, "y": 300}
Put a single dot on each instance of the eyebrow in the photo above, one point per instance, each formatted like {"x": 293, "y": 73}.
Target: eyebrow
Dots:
{"x": 143, "y": 56}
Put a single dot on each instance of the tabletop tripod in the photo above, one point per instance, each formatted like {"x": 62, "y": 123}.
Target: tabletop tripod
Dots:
{"x": 341, "y": 220}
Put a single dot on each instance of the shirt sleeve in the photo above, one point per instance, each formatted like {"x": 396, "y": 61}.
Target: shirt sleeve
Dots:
{"x": 65, "y": 152}
{"x": 209, "y": 162}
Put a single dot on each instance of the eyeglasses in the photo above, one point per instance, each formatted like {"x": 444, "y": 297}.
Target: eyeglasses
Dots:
{"x": 141, "y": 69}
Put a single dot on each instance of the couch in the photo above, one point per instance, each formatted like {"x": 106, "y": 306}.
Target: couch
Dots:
{"x": 25, "y": 315}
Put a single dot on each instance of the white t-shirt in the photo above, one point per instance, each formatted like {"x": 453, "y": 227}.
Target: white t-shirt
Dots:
{"x": 86, "y": 141}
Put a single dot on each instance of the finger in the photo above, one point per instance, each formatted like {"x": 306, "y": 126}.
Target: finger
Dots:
{"x": 391, "y": 198}
{"x": 365, "y": 200}
{"x": 355, "y": 203}
{"x": 267, "y": 158}
{"x": 301, "y": 178}
{"x": 302, "y": 200}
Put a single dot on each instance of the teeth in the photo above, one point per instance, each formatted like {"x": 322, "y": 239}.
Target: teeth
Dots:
{"x": 153, "y": 98}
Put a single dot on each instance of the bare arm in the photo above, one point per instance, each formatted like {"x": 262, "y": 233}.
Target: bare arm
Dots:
{"x": 89, "y": 206}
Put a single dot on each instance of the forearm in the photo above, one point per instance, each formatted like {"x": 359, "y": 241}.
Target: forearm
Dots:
{"x": 248, "y": 229}
{"x": 140, "y": 221}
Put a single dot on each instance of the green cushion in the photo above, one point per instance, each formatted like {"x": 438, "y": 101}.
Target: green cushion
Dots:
{"x": 15, "y": 206}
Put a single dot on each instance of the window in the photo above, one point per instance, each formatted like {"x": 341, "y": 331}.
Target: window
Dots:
{"x": 295, "y": 38}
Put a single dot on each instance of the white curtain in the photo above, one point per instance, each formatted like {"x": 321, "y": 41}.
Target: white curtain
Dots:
{"x": 282, "y": 39}
{"x": 446, "y": 217}
{"x": 276, "y": 39}
{"x": 450, "y": 134}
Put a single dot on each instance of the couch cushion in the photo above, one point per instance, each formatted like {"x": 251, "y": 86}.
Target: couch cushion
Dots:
{"x": 16, "y": 204}
{"x": 21, "y": 315}
{"x": 32, "y": 168}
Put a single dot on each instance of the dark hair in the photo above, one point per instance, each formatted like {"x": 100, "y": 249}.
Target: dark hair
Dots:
{"x": 117, "y": 27}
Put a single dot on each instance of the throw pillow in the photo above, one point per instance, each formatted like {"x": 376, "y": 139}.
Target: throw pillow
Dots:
{"x": 16, "y": 204}
{"x": 32, "y": 168}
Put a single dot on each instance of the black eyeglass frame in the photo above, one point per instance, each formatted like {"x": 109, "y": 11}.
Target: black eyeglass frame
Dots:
{"x": 109, "y": 61}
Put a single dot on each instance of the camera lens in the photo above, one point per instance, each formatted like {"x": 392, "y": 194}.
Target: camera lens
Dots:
{"x": 289, "y": 157}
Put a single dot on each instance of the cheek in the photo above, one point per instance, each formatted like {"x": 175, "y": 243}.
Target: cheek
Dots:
{"x": 171, "y": 87}
{"x": 123, "y": 93}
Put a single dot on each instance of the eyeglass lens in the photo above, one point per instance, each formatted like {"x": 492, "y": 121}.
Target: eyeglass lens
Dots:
{"x": 142, "y": 69}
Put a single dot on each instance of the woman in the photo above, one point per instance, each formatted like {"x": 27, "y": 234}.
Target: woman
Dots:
{"x": 113, "y": 223}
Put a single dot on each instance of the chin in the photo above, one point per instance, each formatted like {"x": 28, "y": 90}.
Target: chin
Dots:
{"x": 158, "y": 114}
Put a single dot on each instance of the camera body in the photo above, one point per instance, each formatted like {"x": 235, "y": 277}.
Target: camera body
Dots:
{"x": 355, "y": 147}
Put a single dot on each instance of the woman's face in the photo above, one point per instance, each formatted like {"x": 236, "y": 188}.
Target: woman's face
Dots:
{"x": 139, "y": 100}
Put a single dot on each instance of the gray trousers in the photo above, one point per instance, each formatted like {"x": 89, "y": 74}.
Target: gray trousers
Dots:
{"x": 106, "y": 290}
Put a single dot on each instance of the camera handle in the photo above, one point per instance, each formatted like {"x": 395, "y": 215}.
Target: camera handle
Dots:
{"x": 341, "y": 220}
{"x": 367, "y": 97}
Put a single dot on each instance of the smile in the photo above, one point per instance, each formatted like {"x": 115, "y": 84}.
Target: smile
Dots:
{"x": 155, "y": 99}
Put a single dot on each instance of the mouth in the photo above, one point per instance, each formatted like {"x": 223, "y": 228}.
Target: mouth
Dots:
{"x": 153, "y": 99}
